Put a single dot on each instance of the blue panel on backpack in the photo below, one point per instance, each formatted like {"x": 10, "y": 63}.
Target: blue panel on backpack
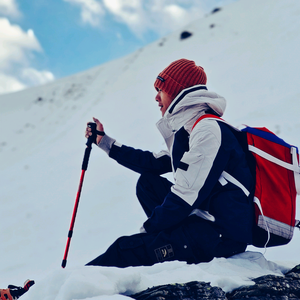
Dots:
{"x": 268, "y": 136}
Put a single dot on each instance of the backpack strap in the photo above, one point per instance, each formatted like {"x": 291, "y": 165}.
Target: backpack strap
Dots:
{"x": 296, "y": 172}
{"x": 234, "y": 181}
{"x": 214, "y": 117}
{"x": 292, "y": 167}
{"x": 257, "y": 202}
{"x": 206, "y": 116}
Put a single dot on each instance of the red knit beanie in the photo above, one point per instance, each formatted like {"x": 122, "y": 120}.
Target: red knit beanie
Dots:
{"x": 178, "y": 76}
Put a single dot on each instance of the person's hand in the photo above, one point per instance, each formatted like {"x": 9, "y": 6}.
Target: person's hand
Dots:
{"x": 88, "y": 130}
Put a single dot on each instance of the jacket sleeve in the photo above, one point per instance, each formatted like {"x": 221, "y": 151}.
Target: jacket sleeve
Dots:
{"x": 195, "y": 178}
{"x": 137, "y": 160}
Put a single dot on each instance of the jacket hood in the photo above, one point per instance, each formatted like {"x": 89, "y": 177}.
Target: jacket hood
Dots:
{"x": 188, "y": 106}
{"x": 197, "y": 96}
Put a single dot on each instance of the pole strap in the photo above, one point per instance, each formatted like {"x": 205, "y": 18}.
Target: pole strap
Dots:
{"x": 99, "y": 132}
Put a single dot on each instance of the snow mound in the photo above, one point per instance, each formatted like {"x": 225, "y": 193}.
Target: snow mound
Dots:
{"x": 114, "y": 283}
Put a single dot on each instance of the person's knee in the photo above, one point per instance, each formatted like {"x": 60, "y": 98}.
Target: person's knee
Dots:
{"x": 144, "y": 183}
{"x": 145, "y": 179}
{"x": 140, "y": 186}
{"x": 140, "y": 182}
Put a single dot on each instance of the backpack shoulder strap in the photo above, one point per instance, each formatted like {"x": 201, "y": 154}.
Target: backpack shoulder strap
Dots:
{"x": 207, "y": 116}
{"x": 213, "y": 117}
{"x": 240, "y": 135}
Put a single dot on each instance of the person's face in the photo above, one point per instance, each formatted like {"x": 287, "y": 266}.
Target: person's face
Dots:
{"x": 164, "y": 101}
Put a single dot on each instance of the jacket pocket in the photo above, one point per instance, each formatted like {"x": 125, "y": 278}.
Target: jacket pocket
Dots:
{"x": 188, "y": 170}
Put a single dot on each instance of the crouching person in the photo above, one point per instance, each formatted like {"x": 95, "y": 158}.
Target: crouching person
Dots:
{"x": 207, "y": 211}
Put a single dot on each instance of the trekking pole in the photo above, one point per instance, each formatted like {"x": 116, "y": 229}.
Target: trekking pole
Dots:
{"x": 85, "y": 162}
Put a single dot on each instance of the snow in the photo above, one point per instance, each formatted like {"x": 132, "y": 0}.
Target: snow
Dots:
{"x": 250, "y": 57}
{"x": 106, "y": 282}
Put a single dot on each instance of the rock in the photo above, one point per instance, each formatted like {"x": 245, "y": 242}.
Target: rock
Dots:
{"x": 215, "y": 10}
{"x": 185, "y": 35}
{"x": 191, "y": 290}
{"x": 269, "y": 287}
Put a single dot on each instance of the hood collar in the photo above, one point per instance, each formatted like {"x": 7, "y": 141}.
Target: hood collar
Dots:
{"x": 189, "y": 104}
{"x": 182, "y": 94}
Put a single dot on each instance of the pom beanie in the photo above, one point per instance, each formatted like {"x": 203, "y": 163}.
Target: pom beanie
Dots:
{"x": 178, "y": 76}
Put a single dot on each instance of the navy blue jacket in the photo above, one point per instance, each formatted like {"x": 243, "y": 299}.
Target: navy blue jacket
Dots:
{"x": 211, "y": 176}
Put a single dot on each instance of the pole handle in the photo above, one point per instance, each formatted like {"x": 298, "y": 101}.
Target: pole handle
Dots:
{"x": 86, "y": 157}
{"x": 95, "y": 132}
{"x": 92, "y": 139}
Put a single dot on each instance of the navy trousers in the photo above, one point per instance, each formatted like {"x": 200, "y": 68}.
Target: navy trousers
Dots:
{"x": 193, "y": 241}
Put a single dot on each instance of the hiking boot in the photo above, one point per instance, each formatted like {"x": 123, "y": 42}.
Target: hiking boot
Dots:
{"x": 14, "y": 292}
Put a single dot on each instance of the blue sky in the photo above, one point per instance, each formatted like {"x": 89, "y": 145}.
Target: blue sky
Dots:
{"x": 42, "y": 40}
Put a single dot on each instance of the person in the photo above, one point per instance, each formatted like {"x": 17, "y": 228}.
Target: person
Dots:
{"x": 15, "y": 292}
{"x": 207, "y": 212}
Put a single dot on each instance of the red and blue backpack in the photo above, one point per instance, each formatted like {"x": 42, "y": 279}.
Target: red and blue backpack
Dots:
{"x": 275, "y": 167}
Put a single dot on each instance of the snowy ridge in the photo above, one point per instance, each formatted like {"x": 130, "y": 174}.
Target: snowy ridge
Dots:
{"x": 249, "y": 51}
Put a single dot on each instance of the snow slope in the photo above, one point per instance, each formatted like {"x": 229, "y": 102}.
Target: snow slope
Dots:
{"x": 249, "y": 50}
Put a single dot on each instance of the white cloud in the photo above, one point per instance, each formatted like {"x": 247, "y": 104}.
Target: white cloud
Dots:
{"x": 130, "y": 12}
{"x": 9, "y": 8}
{"x": 9, "y": 84}
{"x": 35, "y": 77}
{"x": 16, "y": 50}
{"x": 166, "y": 16}
{"x": 125, "y": 10}
{"x": 160, "y": 16}
{"x": 15, "y": 44}
{"x": 91, "y": 11}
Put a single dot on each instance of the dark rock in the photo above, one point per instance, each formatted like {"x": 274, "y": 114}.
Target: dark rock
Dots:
{"x": 271, "y": 287}
{"x": 268, "y": 287}
{"x": 185, "y": 35}
{"x": 216, "y": 10}
{"x": 162, "y": 42}
{"x": 295, "y": 272}
{"x": 191, "y": 290}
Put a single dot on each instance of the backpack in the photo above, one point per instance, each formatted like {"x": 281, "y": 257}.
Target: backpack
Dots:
{"x": 275, "y": 167}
